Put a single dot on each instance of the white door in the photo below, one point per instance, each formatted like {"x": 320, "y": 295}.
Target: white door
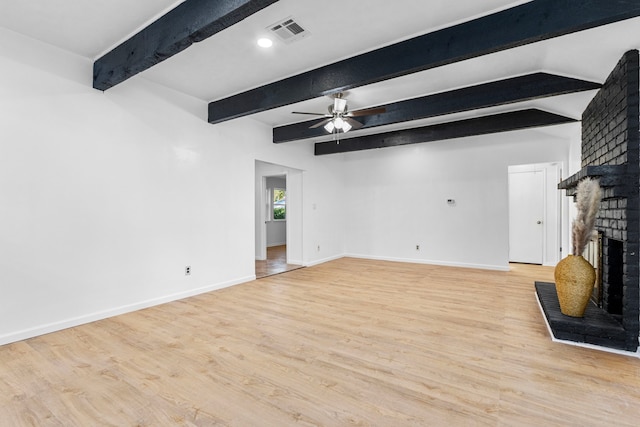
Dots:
{"x": 526, "y": 212}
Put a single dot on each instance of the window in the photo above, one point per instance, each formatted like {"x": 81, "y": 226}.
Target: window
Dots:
{"x": 279, "y": 204}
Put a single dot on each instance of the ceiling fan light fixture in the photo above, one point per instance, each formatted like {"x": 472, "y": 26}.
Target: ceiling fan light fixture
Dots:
{"x": 339, "y": 118}
{"x": 329, "y": 127}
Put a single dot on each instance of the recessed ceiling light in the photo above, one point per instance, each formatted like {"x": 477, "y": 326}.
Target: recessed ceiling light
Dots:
{"x": 265, "y": 42}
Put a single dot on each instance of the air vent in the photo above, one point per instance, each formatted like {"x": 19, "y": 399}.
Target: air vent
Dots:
{"x": 288, "y": 30}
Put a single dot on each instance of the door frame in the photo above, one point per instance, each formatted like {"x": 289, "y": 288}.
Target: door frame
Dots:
{"x": 294, "y": 238}
{"x": 552, "y": 241}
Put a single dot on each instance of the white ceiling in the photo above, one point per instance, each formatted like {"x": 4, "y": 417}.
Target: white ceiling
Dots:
{"x": 230, "y": 62}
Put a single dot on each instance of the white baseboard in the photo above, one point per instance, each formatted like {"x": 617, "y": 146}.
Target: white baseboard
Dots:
{"x": 322, "y": 261}
{"x": 92, "y": 317}
{"x": 432, "y": 262}
{"x": 271, "y": 245}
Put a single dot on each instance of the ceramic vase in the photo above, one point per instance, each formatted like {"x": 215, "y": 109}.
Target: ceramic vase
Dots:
{"x": 575, "y": 278}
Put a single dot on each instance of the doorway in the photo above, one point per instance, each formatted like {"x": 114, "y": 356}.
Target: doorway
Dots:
{"x": 534, "y": 214}
{"x": 278, "y": 219}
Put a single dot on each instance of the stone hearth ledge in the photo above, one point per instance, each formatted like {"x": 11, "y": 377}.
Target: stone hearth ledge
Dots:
{"x": 549, "y": 306}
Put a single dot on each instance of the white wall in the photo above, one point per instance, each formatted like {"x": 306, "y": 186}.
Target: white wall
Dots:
{"x": 106, "y": 197}
{"x": 276, "y": 233}
{"x": 397, "y": 198}
{"x": 574, "y": 166}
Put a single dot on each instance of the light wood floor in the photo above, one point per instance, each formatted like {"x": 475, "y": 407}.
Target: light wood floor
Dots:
{"x": 275, "y": 263}
{"x": 346, "y": 343}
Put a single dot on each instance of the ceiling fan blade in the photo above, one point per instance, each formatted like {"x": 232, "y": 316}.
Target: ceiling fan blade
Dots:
{"x": 309, "y": 114}
{"x": 354, "y": 123}
{"x": 320, "y": 123}
{"x": 367, "y": 111}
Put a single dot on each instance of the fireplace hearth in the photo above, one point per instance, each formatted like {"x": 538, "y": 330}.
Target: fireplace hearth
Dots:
{"x": 597, "y": 327}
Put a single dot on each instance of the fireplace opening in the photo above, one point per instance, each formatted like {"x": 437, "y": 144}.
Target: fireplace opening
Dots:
{"x": 613, "y": 276}
{"x": 593, "y": 254}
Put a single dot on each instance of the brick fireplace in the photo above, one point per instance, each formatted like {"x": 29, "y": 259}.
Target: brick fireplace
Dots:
{"x": 610, "y": 152}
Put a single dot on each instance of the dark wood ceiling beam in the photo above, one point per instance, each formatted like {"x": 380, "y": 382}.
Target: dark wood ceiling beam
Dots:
{"x": 516, "y": 89}
{"x": 190, "y": 22}
{"x": 528, "y": 23}
{"x": 463, "y": 128}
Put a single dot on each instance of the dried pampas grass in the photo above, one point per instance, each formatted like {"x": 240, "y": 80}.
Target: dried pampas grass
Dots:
{"x": 588, "y": 195}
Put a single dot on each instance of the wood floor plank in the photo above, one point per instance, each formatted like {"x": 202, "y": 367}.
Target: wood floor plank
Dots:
{"x": 349, "y": 342}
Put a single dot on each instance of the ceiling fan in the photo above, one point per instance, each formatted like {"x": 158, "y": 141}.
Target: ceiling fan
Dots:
{"x": 339, "y": 118}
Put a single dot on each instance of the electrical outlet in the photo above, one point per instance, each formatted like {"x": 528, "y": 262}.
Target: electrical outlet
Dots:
{"x": 417, "y": 247}
{"x": 187, "y": 270}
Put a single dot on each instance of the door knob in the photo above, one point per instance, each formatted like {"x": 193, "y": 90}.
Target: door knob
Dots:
{"x": 539, "y": 222}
